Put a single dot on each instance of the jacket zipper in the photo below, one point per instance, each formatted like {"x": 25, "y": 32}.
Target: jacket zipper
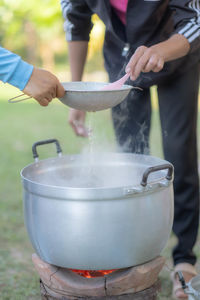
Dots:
{"x": 125, "y": 49}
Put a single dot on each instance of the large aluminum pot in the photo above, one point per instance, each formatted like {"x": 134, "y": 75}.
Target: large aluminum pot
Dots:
{"x": 115, "y": 212}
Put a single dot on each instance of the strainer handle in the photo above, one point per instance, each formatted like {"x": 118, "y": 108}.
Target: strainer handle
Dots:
{"x": 155, "y": 169}
{"x": 45, "y": 142}
{"x": 21, "y": 98}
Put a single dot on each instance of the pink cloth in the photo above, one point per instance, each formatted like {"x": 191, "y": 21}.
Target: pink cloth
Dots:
{"x": 120, "y": 7}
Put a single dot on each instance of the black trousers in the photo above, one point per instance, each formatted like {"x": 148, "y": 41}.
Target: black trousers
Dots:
{"x": 178, "y": 114}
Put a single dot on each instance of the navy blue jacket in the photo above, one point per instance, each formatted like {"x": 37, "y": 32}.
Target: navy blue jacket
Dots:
{"x": 148, "y": 22}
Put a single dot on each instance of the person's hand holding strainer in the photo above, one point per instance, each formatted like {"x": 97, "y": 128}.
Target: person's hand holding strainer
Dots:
{"x": 43, "y": 86}
{"x": 34, "y": 82}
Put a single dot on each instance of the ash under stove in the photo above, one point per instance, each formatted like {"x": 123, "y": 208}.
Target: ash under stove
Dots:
{"x": 134, "y": 283}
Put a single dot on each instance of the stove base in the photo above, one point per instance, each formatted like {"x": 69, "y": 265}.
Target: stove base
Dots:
{"x": 137, "y": 283}
{"x": 148, "y": 294}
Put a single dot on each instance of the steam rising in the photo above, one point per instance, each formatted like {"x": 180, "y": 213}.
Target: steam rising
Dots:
{"x": 98, "y": 166}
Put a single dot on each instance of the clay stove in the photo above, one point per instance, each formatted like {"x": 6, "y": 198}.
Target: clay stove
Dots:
{"x": 134, "y": 283}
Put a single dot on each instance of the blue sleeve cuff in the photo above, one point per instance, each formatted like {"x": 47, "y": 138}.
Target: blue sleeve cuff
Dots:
{"x": 21, "y": 75}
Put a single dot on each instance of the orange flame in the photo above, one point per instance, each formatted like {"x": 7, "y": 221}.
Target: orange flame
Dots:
{"x": 92, "y": 273}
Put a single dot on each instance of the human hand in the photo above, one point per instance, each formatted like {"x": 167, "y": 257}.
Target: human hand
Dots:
{"x": 77, "y": 122}
{"x": 145, "y": 60}
{"x": 43, "y": 86}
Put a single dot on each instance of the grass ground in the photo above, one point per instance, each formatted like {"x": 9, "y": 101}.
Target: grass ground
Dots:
{"x": 21, "y": 125}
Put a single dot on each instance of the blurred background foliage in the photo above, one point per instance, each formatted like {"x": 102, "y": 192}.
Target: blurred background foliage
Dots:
{"x": 34, "y": 30}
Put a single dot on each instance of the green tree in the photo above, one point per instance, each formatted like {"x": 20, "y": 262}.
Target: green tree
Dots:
{"x": 34, "y": 30}
{"x": 31, "y": 27}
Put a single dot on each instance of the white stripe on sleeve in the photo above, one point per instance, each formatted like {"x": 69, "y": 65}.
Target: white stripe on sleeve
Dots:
{"x": 192, "y": 29}
{"x": 194, "y": 36}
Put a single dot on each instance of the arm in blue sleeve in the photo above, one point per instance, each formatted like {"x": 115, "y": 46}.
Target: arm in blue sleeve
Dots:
{"x": 13, "y": 69}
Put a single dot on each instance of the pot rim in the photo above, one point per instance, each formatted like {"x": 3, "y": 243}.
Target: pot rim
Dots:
{"x": 87, "y": 192}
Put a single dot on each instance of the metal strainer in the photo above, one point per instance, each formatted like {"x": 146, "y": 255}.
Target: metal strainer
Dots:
{"x": 88, "y": 96}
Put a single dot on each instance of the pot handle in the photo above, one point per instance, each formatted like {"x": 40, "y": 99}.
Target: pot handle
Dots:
{"x": 155, "y": 169}
{"x": 40, "y": 143}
